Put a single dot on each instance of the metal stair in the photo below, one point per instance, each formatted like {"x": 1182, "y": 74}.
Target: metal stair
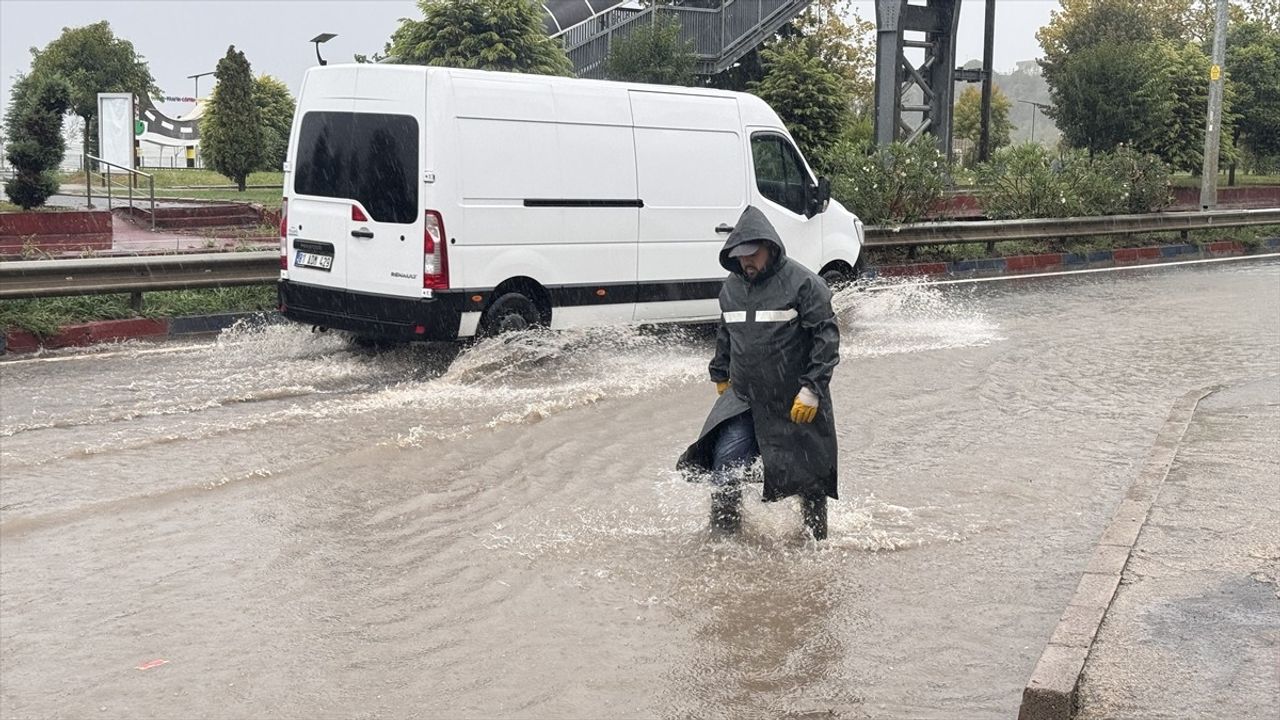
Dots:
{"x": 719, "y": 35}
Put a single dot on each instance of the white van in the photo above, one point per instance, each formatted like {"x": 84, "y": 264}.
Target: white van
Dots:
{"x": 435, "y": 203}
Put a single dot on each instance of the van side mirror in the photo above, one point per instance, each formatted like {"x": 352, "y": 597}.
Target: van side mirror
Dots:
{"x": 817, "y": 197}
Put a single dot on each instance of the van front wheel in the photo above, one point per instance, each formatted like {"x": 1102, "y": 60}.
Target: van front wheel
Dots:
{"x": 511, "y": 312}
{"x": 835, "y": 278}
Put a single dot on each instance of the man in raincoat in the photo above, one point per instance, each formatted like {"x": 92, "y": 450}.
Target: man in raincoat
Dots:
{"x": 776, "y": 347}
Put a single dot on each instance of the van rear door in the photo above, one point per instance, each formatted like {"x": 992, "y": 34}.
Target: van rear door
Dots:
{"x": 357, "y": 182}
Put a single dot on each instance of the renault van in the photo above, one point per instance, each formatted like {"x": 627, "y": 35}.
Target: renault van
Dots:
{"x": 434, "y": 203}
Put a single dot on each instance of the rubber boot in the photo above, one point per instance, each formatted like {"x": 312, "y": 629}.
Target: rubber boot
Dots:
{"x": 726, "y": 510}
{"x": 814, "y": 511}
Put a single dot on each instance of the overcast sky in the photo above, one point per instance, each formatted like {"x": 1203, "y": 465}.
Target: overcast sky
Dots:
{"x": 185, "y": 37}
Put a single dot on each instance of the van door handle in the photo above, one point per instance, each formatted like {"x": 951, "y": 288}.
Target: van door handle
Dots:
{"x": 724, "y": 228}
{"x": 362, "y": 234}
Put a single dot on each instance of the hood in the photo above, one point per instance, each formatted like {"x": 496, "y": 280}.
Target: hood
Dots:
{"x": 752, "y": 226}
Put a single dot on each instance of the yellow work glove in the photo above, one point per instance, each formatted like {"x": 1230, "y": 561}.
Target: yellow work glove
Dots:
{"x": 722, "y": 386}
{"x": 805, "y": 407}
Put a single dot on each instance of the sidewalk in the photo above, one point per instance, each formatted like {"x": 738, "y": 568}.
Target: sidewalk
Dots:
{"x": 130, "y": 238}
{"x": 1194, "y": 629}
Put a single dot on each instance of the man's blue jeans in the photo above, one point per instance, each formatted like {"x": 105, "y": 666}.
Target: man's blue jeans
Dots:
{"x": 736, "y": 448}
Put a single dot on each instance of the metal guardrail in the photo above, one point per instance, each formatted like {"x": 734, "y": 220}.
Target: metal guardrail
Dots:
{"x": 130, "y": 173}
{"x": 148, "y": 273}
{"x": 93, "y": 276}
{"x": 991, "y": 231}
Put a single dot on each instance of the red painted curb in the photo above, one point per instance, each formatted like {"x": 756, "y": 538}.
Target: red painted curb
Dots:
{"x": 917, "y": 269}
{"x": 1125, "y": 255}
{"x": 1016, "y": 263}
{"x": 89, "y": 334}
{"x": 1226, "y": 247}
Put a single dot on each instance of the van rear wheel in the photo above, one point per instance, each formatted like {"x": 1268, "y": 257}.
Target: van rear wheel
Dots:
{"x": 511, "y": 312}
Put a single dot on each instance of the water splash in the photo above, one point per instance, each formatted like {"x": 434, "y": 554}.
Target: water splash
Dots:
{"x": 883, "y": 318}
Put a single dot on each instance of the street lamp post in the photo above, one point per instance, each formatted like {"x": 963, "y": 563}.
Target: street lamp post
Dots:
{"x": 1034, "y": 107}
{"x": 322, "y": 38}
{"x": 197, "y": 77}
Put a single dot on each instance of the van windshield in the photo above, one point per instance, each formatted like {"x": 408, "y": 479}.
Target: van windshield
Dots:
{"x": 367, "y": 157}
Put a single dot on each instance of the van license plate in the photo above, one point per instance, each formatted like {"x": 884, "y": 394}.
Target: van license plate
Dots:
{"x": 313, "y": 260}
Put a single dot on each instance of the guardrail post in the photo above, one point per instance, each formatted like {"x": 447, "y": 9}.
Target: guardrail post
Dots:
{"x": 135, "y": 302}
{"x": 109, "y": 188}
{"x": 88, "y": 182}
{"x": 991, "y": 246}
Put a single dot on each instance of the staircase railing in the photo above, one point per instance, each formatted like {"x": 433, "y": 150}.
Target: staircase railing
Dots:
{"x": 719, "y": 36}
{"x": 131, "y": 176}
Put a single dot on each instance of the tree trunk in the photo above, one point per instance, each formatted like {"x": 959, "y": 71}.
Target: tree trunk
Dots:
{"x": 240, "y": 181}
{"x": 1231, "y": 169}
{"x": 84, "y": 141}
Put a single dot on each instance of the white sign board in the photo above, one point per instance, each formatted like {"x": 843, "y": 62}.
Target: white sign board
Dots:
{"x": 115, "y": 128}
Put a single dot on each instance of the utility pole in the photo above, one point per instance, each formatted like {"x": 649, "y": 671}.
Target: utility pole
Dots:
{"x": 988, "y": 54}
{"x": 1213, "y": 123}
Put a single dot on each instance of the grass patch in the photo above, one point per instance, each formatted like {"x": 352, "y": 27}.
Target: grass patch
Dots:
{"x": 266, "y": 198}
{"x": 9, "y": 207}
{"x": 179, "y": 177}
{"x": 44, "y": 316}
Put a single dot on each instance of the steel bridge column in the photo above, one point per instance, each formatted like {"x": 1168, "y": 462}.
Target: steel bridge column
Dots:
{"x": 888, "y": 69}
{"x": 942, "y": 74}
{"x": 938, "y": 20}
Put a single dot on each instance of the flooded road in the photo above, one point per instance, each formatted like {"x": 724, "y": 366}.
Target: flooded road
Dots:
{"x": 302, "y": 530}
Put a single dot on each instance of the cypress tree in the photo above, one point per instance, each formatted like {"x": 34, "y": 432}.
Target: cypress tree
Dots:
{"x": 36, "y": 145}
{"x": 231, "y": 135}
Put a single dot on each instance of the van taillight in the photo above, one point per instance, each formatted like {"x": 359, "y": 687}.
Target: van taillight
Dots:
{"x": 284, "y": 233}
{"x": 357, "y": 214}
{"x": 435, "y": 254}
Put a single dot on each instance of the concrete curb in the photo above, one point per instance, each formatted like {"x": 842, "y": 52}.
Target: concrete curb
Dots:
{"x": 1048, "y": 262}
{"x": 133, "y": 329}
{"x": 1050, "y": 693}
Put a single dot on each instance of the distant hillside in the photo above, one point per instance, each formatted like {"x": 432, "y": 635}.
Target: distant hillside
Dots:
{"x": 1024, "y": 83}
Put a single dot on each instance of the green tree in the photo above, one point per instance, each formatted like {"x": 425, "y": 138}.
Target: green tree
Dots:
{"x": 1175, "y": 93}
{"x": 1096, "y": 100}
{"x": 1127, "y": 72}
{"x": 36, "y": 145}
{"x": 1253, "y": 74}
{"x": 653, "y": 53}
{"x": 231, "y": 137}
{"x": 844, "y": 41}
{"x": 483, "y": 34}
{"x": 968, "y": 120}
{"x": 275, "y": 108}
{"x": 93, "y": 60}
{"x": 810, "y": 96}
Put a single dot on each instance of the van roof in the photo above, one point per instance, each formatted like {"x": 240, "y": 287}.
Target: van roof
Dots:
{"x": 751, "y": 105}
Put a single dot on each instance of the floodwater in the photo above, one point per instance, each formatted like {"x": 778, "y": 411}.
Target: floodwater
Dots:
{"x": 298, "y": 529}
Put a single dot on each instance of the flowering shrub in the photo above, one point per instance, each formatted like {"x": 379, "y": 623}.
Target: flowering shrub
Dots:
{"x": 896, "y": 184}
{"x": 1026, "y": 181}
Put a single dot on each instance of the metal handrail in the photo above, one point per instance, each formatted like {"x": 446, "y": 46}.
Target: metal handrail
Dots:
{"x": 132, "y": 174}
{"x": 93, "y": 276}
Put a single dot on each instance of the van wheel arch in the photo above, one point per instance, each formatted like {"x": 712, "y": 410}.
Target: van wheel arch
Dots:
{"x": 528, "y": 288}
{"x": 838, "y": 272}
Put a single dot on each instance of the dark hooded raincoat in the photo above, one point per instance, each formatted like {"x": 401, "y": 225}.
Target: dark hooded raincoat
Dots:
{"x": 777, "y": 334}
